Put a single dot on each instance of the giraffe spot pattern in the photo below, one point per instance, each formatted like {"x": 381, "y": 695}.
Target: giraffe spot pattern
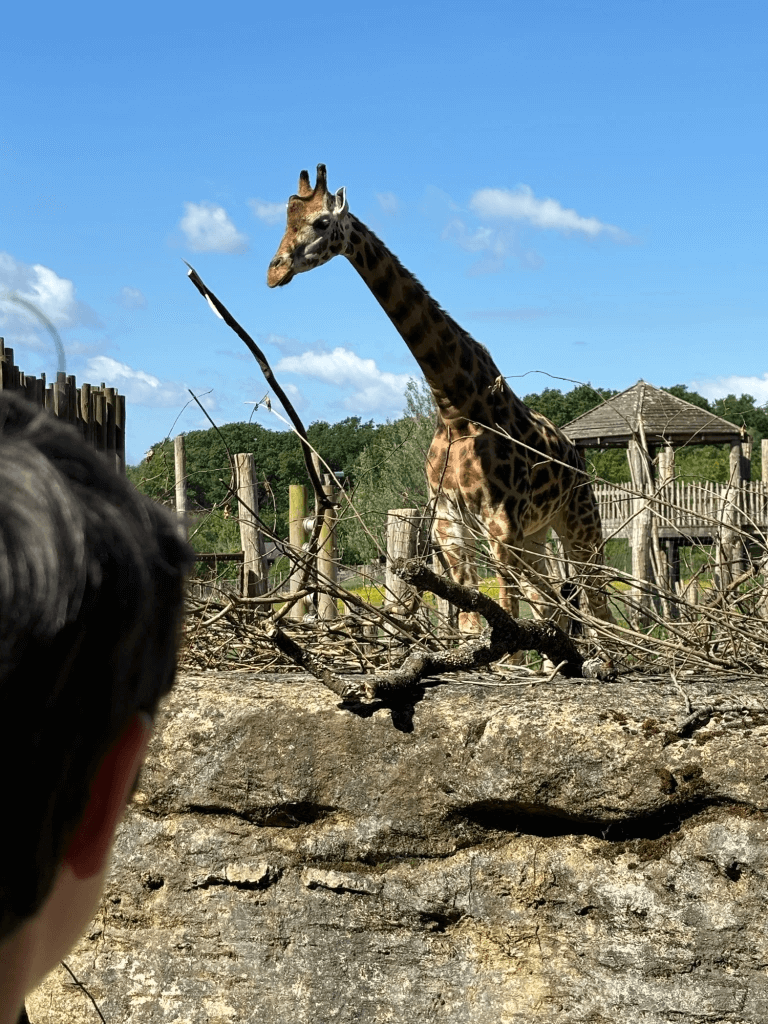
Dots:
{"x": 382, "y": 288}
{"x": 371, "y": 257}
{"x": 416, "y": 334}
{"x": 432, "y": 359}
{"x": 477, "y": 411}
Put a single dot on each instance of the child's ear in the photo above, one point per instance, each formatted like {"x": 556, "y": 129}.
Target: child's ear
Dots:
{"x": 110, "y": 790}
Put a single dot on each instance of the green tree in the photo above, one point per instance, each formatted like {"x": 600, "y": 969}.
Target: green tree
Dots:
{"x": 562, "y": 408}
{"x": 711, "y": 462}
{"x": 390, "y": 472}
{"x": 279, "y": 463}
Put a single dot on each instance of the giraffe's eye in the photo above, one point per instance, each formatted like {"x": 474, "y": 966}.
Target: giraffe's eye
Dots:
{"x": 321, "y": 223}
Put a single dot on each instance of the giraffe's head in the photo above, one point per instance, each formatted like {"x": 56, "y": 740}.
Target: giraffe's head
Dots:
{"x": 316, "y": 231}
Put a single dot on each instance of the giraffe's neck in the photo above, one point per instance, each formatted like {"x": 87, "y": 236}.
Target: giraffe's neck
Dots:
{"x": 459, "y": 371}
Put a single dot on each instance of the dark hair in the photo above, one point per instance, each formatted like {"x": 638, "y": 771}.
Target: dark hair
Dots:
{"x": 91, "y": 592}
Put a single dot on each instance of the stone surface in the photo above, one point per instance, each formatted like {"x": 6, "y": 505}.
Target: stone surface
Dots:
{"x": 494, "y": 852}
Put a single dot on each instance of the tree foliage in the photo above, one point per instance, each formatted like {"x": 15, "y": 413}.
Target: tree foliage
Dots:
{"x": 389, "y": 473}
{"x": 383, "y": 466}
{"x": 277, "y": 455}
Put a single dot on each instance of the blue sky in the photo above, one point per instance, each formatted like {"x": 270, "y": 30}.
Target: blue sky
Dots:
{"x": 581, "y": 185}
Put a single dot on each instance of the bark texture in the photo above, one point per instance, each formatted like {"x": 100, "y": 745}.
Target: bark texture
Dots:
{"x": 479, "y": 851}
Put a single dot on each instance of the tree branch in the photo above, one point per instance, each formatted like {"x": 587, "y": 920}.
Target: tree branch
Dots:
{"x": 223, "y": 313}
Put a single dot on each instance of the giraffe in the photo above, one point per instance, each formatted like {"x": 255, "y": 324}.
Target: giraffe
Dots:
{"x": 494, "y": 466}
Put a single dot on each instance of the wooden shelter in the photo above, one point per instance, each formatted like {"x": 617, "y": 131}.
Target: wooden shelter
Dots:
{"x": 644, "y": 410}
{"x": 656, "y": 514}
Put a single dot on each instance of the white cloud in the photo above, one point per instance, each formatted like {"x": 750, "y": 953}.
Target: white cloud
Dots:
{"x": 131, "y": 298}
{"x": 138, "y": 386}
{"x": 480, "y": 240}
{"x": 269, "y": 213}
{"x": 719, "y": 387}
{"x": 522, "y": 205}
{"x": 42, "y": 287}
{"x": 208, "y": 229}
{"x": 389, "y": 203}
{"x": 493, "y": 245}
{"x": 281, "y": 341}
{"x": 373, "y": 390}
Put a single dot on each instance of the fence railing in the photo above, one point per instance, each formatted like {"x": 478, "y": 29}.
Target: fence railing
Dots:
{"x": 685, "y": 508}
{"x": 97, "y": 412}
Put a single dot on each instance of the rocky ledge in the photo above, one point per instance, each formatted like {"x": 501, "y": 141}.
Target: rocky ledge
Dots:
{"x": 491, "y": 851}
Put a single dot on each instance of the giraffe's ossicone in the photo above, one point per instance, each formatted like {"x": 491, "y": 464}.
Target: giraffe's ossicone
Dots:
{"x": 496, "y": 469}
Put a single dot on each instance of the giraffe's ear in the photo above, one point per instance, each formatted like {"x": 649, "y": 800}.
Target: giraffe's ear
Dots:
{"x": 340, "y": 205}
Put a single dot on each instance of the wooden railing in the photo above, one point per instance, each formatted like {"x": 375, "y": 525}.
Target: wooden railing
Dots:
{"x": 690, "y": 509}
{"x": 97, "y": 412}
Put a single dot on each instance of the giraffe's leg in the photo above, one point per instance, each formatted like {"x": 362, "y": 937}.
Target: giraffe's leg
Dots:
{"x": 455, "y": 541}
{"x": 525, "y": 568}
{"x": 528, "y": 564}
{"x": 541, "y": 582}
{"x": 587, "y": 568}
{"x": 581, "y": 533}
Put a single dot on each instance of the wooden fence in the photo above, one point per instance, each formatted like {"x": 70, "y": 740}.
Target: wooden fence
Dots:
{"x": 684, "y": 509}
{"x": 97, "y": 412}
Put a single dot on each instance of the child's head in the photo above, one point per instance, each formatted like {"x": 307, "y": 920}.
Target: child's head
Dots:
{"x": 91, "y": 581}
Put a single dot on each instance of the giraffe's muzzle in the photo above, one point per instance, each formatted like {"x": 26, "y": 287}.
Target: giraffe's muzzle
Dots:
{"x": 280, "y": 271}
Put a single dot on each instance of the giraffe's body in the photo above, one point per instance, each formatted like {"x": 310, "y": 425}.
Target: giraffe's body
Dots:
{"x": 495, "y": 467}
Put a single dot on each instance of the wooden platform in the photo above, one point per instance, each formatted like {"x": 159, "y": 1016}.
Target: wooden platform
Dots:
{"x": 687, "y": 511}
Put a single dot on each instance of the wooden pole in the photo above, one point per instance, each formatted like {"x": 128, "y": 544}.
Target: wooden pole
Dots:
{"x": 254, "y": 581}
{"x": 120, "y": 433}
{"x": 729, "y": 547}
{"x": 86, "y": 412}
{"x": 641, "y": 527}
{"x": 746, "y": 459}
{"x": 297, "y": 535}
{"x": 402, "y": 537}
{"x": 447, "y": 613}
{"x": 667, "y": 464}
{"x": 326, "y": 556}
{"x": 180, "y": 473}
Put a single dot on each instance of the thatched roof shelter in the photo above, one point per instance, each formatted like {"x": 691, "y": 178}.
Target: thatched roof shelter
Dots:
{"x": 666, "y": 421}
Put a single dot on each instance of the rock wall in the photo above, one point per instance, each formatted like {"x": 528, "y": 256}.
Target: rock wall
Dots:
{"x": 495, "y": 852}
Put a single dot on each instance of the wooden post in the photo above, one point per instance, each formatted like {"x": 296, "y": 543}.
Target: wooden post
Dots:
{"x": 667, "y": 464}
{"x": 326, "y": 556}
{"x": 641, "y": 527}
{"x": 99, "y": 431}
{"x": 297, "y": 513}
{"x": 120, "y": 432}
{"x": 254, "y": 581}
{"x": 402, "y": 536}
{"x": 86, "y": 412}
{"x": 729, "y": 546}
{"x": 447, "y": 613}
{"x": 746, "y": 459}
{"x": 735, "y": 463}
{"x": 180, "y": 472}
